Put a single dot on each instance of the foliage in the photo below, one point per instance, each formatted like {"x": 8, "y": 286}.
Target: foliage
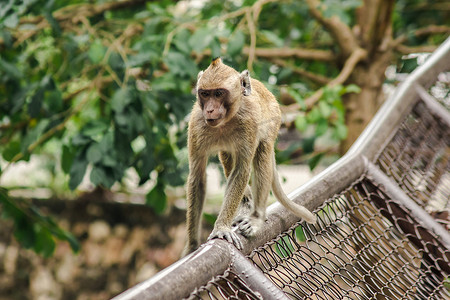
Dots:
{"x": 33, "y": 229}
{"x": 111, "y": 82}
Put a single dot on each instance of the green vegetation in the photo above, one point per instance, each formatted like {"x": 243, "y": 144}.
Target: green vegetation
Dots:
{"x": 102, "y": 87}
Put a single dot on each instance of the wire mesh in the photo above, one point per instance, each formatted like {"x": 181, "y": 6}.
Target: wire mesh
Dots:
{"x": 364, "y": 246}
{"x": 226, "y": 286}
{"x": 418, "y": 159}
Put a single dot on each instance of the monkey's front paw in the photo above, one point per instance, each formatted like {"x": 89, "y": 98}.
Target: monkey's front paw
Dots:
{"x": 238, "y": 220}
{"x": 227, "y": 235}
{"x": 248, "y": 226}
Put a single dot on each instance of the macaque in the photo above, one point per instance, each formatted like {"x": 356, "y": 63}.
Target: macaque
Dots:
{"x": 238, "y": 118}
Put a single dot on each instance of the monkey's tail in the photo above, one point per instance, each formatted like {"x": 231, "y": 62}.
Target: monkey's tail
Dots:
{"x": 297, "y": 209}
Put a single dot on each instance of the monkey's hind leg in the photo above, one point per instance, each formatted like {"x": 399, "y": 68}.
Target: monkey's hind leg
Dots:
{"x": 261, "y": 184}
{"x": 245, "y": 207}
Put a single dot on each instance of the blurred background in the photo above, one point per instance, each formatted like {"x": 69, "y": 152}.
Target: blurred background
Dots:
{"x": 95, "y": 98}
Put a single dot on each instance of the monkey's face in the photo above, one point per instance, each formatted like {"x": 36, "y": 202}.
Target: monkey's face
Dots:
{"x": 214, "y": 104}
{"x": 220, "y": 89}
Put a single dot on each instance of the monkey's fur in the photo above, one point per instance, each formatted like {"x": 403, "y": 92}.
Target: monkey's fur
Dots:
{"x": 238, "y": 118}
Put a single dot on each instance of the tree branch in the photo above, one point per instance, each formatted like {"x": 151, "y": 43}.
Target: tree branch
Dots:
{"x": 341, "y": 33}
{"x": 429, "y": 30}
{"x": 357, "y": 55}
{"x": 85, "y": 9}
{"x": 374, "y": 22}
{"x": 68, "y": 14}
{"x": 252, "y": 29}
{"x": 408, "y": 50}
{"x": 302, "y": 53}
{"x": 310, "y": 75}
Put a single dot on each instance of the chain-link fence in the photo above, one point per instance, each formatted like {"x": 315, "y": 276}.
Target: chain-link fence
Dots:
{"x": 382, "y": 230}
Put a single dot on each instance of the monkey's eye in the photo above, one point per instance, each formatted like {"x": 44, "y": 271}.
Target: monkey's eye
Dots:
{"x": 204, "y": 93}
{"x": 218, "y": 93}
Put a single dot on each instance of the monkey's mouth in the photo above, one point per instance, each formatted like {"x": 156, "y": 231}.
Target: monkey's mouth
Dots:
{"x": 213, "y": 122}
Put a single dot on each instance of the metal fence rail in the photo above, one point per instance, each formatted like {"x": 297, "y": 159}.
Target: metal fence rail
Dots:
{"x": 375, "y": 237}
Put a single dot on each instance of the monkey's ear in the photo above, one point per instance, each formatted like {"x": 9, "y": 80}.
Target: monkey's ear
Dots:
{"x": 245, "y": 83}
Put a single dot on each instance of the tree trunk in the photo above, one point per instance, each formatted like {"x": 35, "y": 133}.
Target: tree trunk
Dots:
{"x": 361, "y": 107}
{"x": 374, "y": 33}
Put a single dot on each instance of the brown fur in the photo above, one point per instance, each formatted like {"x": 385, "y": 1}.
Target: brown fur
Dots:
{"x": 243, "y": 134}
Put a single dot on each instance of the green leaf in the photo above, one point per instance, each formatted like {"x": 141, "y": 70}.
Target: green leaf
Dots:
{"x": 150, "y": 102}
{"x": 272, "y": 37}
{"x": 71, "y": 239}
{"x": 34, "y": 134}
{"x": 11, "y": 150}
{"x": 94, "y": 128}
{"x": 109, "y": 161}
{"x": 10, "y": 69}
{"x": 284, "y": 73}
{"x": 116, "y": 62}
{"x": 7, "y": 38}
{"x": 67, "y": 158}
{"x": 173, "y": 177}
{"x": 352, "y": 88}
{"x": 53, "y": 23}
{"x": 123, "y": 120}
{"x": 34, "y": 107}
{"x": 120, "y": 100}
{"x": 94, "y": 153}
{"x": 157, "y": 198}
{"x": 330, "y": 95}
{"x": 181, "y": 41}
{"x": 77, "y": 171}
{"x": 44, "y": 242}
{"x": 54, "y": 101}
{"x": 216, "y": 50}
{"x": 409, "y": 65}
{"x": 181, "y": 65}
{"x": 322, "y": 127}
{"x": 297, "y": 97}
{"x": 32, "y": 228}
{"x": 325, "y": 109}
{"x": 300, "y": 123}
{"x": 99, "y": 176}
{"x": 341, "y": 131}
{"x": 96, "y": 52}
{"x": 80, "y": 140}
{"x": 313, "y": 116}
{"x": 201, "y": 39}
{"x": 236, "y": 43}
{"x": 23, "y": 231}
{"x": 308, "y": 144}
{"x": 145, "y": 164}
{"x": 11, "y": 21}
{"x": 314, "y": 161}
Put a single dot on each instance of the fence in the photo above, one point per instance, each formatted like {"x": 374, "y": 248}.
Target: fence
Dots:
{"x": 382, "y": 230}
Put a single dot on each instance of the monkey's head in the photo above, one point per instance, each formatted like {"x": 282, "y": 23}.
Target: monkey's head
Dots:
{"x": 220, "y": 89}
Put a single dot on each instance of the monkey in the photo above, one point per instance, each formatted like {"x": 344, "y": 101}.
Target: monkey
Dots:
{"x": 238, "y": 118}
